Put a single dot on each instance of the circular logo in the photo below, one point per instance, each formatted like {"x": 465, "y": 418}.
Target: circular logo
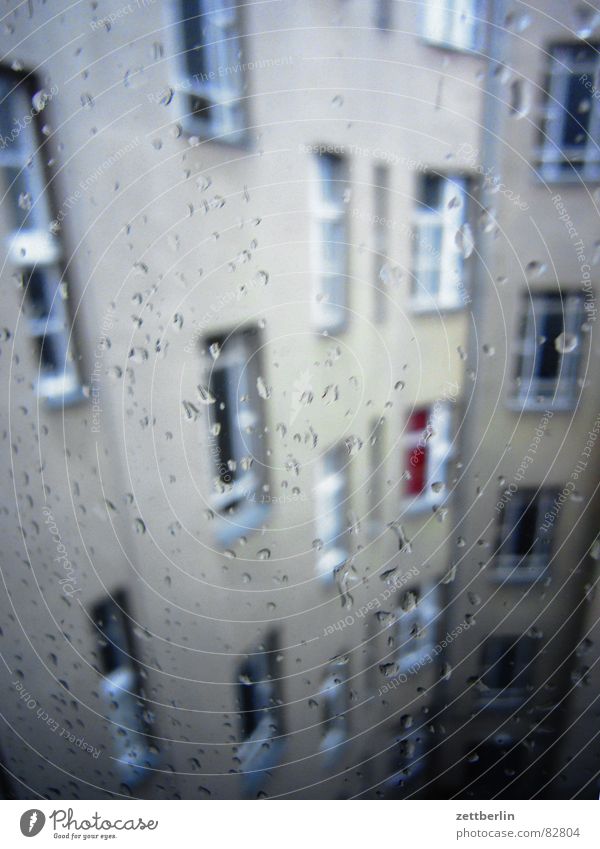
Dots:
{"x": 32, "y": 822}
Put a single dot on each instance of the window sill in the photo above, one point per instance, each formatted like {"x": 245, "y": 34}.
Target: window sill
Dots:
{"x": 60, "y": 394}
{"x": 556, "y": 405}
{"x": 330, "y": 560}
{"x": 435, "y": 307}
{"x": 420, "y": 505}
{"x": 571, "y": 176}
{"x": 439, "y": 44}
{"x": 210, "y": 133}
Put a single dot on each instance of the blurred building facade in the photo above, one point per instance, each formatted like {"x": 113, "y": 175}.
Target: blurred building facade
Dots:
{"x": 298, "y": 363}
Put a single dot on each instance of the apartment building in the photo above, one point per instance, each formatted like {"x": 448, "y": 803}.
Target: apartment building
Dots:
{"x": 519, "y": 710}
{"x": 255, "y": 452}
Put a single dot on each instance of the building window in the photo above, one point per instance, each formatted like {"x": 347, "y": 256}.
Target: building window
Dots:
{"x": 237, "y": 431}
{"x": 426, "y": 453}
{"x": 121, "y": 688}
{"x": 548, "y": 351}
{"x": 439, "y": 264}
{"x": 334, "y": 698}
{"x": 415, "y": 630}
{"x": 523, "y": 547}
{"x": 260, "y": 708}
{"x": 330, "y": 243}
{"x": 570, "y": 125}
{"x": 456, "y": 24}
{"x": 33, "y": 250}
{"x": 331, "y": 493}
{"x": 506, "y": 665}
{"x": 211, "y": 77}
{"x": 381, "y": 204}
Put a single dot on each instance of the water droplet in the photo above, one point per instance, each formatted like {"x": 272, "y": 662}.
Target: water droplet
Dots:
{"x": 263, "y": 390}
{"x": 139, "y": 526}
{"x": 205, "y": 395}
{"x": 465, "y": 240}
{"x": 565, "y": 343}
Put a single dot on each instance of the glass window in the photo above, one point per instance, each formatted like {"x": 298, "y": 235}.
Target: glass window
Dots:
{"x": 570, "y": 121}
{"x": 523, "y": 545}
{"x": 439, "y": 265}
{"x": 456, "y": 24}
{"x": 331, "y": 251}
{"x": 331, "y": 494}
{"x": 121, "y": 688}
{"x": 237, "y": 431}
{"x": 212, "y": 68}
{"x": 32, "y": 249}
{"x": 548, "y": 350}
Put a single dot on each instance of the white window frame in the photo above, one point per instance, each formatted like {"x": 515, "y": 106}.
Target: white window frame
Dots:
{"x": 455, "y": 24}
{"x": 331, "y": 505}
{"x": 559, "y": 393}
{"x": 448, "y": 264}
{"x": 224, "y": 118}
{"x": 33, "y": 250}
{"x": 438, "y": 448}
{"x": 415, "y": 650}
{"x": 517, "y": 568}
{"x": 552, "y": 153}
{"x": 330, "y": 298}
